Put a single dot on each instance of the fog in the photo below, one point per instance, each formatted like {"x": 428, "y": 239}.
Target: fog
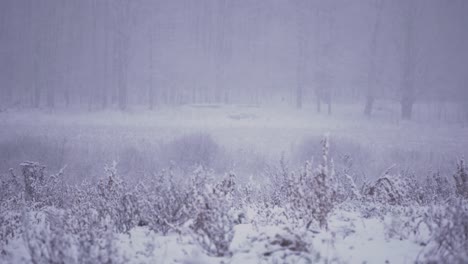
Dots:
{"x": 233, "y": 131}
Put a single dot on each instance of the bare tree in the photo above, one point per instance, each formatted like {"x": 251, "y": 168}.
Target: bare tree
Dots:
{"x": 409, "y": 60}
{"x": 107, "y": 53}
{"x": 302, "y": 13}
{"x": 464, "y": 80}
{"x": 3, "y": 51}
{"x": 324, "y": 43}
{"x": 221, "y": 49}
{"x": 35, "y": 10}
{"x": 372, "y": 74}
{"x": 121, "y": 49}
{"x": 153, "y": 33}
{"x": 52, "y": 50}
{"x": 151, "y": 89}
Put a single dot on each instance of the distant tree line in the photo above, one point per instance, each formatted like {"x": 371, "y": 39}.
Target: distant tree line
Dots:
{"x": 99, "y": 54}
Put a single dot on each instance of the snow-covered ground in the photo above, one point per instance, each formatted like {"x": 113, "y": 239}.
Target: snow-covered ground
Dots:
{"x": 400, "y": 212}
{"x": 351, "y": 238}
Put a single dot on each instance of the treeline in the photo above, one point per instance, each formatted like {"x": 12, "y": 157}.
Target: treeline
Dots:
{"x": 98, "y": 54}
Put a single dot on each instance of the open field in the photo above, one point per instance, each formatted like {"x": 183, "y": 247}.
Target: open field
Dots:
{"x": 245, "y": 139}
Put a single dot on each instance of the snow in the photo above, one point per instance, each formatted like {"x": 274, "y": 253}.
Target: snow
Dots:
{"x": 350, "y": 239}
{"x": 255, "y": 135}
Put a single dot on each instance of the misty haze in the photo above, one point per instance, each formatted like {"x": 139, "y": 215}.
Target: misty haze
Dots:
{"x": 233, "y": 131}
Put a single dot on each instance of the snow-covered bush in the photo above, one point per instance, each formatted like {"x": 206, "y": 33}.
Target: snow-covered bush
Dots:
{"x": 227, "y": 186}
{"x": 282, "y": 180}
{"x": 91, "y": 228}
{"x": 10, "y": 186}
{"x": 461, "y": 179}
{"x": 214, "y": 219}
{"x": 39, "y": 189}
{"x": 164, "y": 202}
{"x": 312, "y": 193}
{"x": 83, "y": 222}
{"x": 33, "y": 176}
{"x": 115, "y": 201}
{"x": 436, "y": 189}
{"x": 11, "y": 204}
{"x": 346, "y": 184}
{"x": 110, "y": 191}
{"x": 128, "y": 213}
{"x": 10, "y": 221}
{"x": 60, "y": 223}
{"x": 288, "y": 246}
{"x": 347, "y": 188}
{"x": 58, "y": 236}
{"x": 45, "y": 237}
{"x": 449, "y": 239}
{"x": 407, "y": 223}
{"x": 35, "y": 192}
{"x": 390, "y": 190}
{"x": 404, "y": 188}
{"x": 261, "y": 203}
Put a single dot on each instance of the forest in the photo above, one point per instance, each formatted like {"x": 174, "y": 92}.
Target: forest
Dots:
{"x": 99, "y": 54}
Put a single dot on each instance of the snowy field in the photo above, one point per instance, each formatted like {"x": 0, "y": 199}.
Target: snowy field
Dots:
{"x": 245, "y": 139}
{"x": 231, "y": 184}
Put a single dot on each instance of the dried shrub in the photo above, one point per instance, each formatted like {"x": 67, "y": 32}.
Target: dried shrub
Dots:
{"x": 10, "y": 222}
{"x": 59, "y": 237}
{"x": 391, "y": 189}
{"x": 312, "y": 193}
{"x": 11, "y": 204}
{"x": 164, "y": 202}
{"x": 461, "y": 180}
{"x": 286, "y": 246}
{"x": 437, "y": 189}
{"x": 39, "y": 189}
{"x": 449, "y": 240}
{"x": 213, "y": 226}
{"x": 46, "y": 239}
{"x": 114, "y": 201}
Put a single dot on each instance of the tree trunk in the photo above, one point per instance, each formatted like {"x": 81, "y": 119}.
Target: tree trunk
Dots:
{"x": 50, "y": 97}
{"x": 122, "y": 43}
{"x": 372, "y": 74}
{"x": 465, "y": 108}
{"x": 409, "y": 63}
{"x": 66, "y": 96}
{"x": 299, "y": 96}
{"x": 369, "y": 105}
{"x": 151, "y": 70}
{"x": 319, "y": 106}
{"x": 226, "y": 96}
{"x": 406, "y": 109}
{"x": 9, "y": 93}
{"x": 302, "y": 14}
{"x": 151, "y": 97}
{"x": 37, "y": 96}
{"x": 122, "y": 89}
{"x": 104, "y": 94}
